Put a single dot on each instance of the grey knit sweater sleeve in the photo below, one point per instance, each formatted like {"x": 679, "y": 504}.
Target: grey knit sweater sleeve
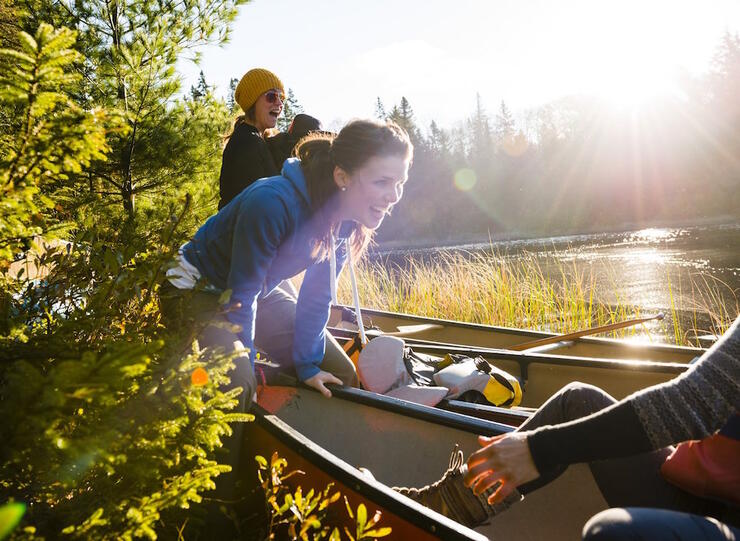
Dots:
{"x": 692, "y": 406}
{"x": 698, "y": 402}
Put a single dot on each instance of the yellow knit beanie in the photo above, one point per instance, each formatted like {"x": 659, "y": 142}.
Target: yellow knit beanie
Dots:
{"x": 255, "y": 82}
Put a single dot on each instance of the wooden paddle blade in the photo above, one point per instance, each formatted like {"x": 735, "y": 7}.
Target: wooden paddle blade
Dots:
{"x": 586, "y": 332}
{"x": 406, "y": 330}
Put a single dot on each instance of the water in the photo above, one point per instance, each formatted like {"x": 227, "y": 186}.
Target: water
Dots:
{"x": 691, "y": 269}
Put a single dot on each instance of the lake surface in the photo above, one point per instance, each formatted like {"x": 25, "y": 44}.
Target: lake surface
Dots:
{"x": 693, "y": 269}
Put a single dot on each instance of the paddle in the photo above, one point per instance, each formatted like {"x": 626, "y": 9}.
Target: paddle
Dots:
{"x": 586, "y": 332}
{"x": 405, "y": 330}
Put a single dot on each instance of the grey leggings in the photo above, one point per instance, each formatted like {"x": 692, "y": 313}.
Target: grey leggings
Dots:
{"x": 273, "y": 334}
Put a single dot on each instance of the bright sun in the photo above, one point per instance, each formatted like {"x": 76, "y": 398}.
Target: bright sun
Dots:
{"x": 625, "y": 56}
{"x": 628, "y": 78}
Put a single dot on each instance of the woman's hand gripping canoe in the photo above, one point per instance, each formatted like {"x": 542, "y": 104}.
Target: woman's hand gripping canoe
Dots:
{"x": 505, "y": 459}
{"x": 319, "y": 380}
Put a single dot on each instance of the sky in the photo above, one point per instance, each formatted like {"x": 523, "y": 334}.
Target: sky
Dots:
{"x": 339, "y": 56}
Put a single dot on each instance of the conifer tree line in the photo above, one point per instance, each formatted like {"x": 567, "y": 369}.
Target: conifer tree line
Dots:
{"x": 575, "y": 165}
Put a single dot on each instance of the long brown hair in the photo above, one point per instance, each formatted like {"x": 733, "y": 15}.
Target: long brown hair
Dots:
{"x": 245, "y": 118}
{"x": 355, "y": 144}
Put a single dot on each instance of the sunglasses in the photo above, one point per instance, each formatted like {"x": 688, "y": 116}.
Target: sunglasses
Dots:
{"x": 273, "y": 95}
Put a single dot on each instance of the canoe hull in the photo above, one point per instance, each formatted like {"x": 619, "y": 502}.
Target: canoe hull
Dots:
{"x": 408, "y": 520}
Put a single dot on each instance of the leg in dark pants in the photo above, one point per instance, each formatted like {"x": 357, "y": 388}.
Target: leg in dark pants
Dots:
{"x": 629, "y": 481}
{"x": 643, "y": 524}
{"x": 274, "y": 329}
{"x": 218, "y": 337}
{"x": 198, "y": 309}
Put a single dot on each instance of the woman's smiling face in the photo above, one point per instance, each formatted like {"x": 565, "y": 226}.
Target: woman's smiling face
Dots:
{"x": 372, "y": 189}
{"x": 267, "y": 109}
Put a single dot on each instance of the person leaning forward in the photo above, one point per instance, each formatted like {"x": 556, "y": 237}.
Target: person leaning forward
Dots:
{"x": 315, "y": 217}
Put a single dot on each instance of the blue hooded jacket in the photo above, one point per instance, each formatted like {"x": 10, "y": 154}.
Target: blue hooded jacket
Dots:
{"x": 263, "y": 236}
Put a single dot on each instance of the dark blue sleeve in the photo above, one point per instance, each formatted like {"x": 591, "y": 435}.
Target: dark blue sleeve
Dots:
{"x": 312, "y": 315}
{"x": 262, "y": 224}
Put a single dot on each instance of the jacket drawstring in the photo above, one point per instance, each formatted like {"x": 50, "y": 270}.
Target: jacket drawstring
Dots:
{"x": 353, "y": 279}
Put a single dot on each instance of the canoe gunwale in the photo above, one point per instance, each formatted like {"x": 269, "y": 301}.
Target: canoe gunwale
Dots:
{"x": 524, "y": 333}
{"x": 484, "y": 411}
{"x": 526, "y": 358}
{"x": 438, "y": 416}
{"x": 370, "y": 489}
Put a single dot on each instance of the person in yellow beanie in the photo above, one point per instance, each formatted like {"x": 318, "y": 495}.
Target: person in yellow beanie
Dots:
{"x": 260, "y": 94}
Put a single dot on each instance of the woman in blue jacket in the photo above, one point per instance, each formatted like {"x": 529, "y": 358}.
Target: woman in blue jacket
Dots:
{"x": 319, "y": 213}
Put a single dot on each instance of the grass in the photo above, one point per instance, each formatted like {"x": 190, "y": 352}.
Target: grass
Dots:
{"x": 491, "y": 289}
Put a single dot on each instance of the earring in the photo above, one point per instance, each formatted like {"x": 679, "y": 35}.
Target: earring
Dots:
{"x": 343, "y": 188}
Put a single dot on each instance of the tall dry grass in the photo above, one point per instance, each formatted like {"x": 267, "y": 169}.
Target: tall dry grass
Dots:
{"x": 491, "y": 289}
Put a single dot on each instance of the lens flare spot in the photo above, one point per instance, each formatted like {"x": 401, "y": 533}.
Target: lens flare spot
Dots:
{"x": 465, "y": 179}
{"x": 199, "y": 377}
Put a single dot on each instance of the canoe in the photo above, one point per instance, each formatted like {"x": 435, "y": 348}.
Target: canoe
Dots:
{"x": 618, "y": 367}
{"x": 407, "y": 444}
{"x": 403, "y": 444}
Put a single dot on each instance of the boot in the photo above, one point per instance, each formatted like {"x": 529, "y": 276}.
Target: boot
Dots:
{"x": 450, "y": 497}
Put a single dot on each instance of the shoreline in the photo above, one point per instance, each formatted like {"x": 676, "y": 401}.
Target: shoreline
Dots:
{"x": 386, "y": 247}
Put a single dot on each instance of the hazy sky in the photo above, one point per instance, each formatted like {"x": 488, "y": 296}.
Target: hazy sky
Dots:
{"x": 338, "y": 56}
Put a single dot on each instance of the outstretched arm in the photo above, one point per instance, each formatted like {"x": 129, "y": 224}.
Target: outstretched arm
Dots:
{"x": 693, "y": 405}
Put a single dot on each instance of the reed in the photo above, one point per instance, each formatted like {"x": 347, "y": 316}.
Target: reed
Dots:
{"x": 489, "y": 288}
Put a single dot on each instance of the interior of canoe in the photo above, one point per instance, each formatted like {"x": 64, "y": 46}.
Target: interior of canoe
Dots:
{"x": 542, "y": 374}
{"x": 412, "y": 447}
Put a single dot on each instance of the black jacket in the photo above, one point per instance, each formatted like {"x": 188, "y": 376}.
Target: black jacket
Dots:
{"x": 281, "y": 147}
{"x": 246, "y": 158}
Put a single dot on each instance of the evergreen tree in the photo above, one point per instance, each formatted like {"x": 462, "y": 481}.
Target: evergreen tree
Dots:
{"x": 291, "y": 108}
{"x": 105, "y": 435}
{"x": 380, "y": 113}
{"x": 131, "y": 49}
{"x": 504, "y": 124}
{"x": 438, "y": 141}
{"x": 403, "y": 115}
{"x": 230, "y": 100}
{"x": 201, "y": 89}
{"x": 50, "y": 139}
{"x": 480, "y": 132}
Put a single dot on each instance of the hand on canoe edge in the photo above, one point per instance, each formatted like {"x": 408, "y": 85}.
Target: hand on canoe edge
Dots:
{"x": 504, "y": 459}
{"x": 319, "y": 380}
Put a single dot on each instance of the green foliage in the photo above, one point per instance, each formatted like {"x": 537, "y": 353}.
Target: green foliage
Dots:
{"x": 291, "y": 108}
{"x": 52, "y": 138}
{"x": 130, "y": 50}
{"x": 365, "y": 529}
{"x": 10, "y": 516}
{"x": 105, "y": 435}
{"x": 293, "y": 515}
